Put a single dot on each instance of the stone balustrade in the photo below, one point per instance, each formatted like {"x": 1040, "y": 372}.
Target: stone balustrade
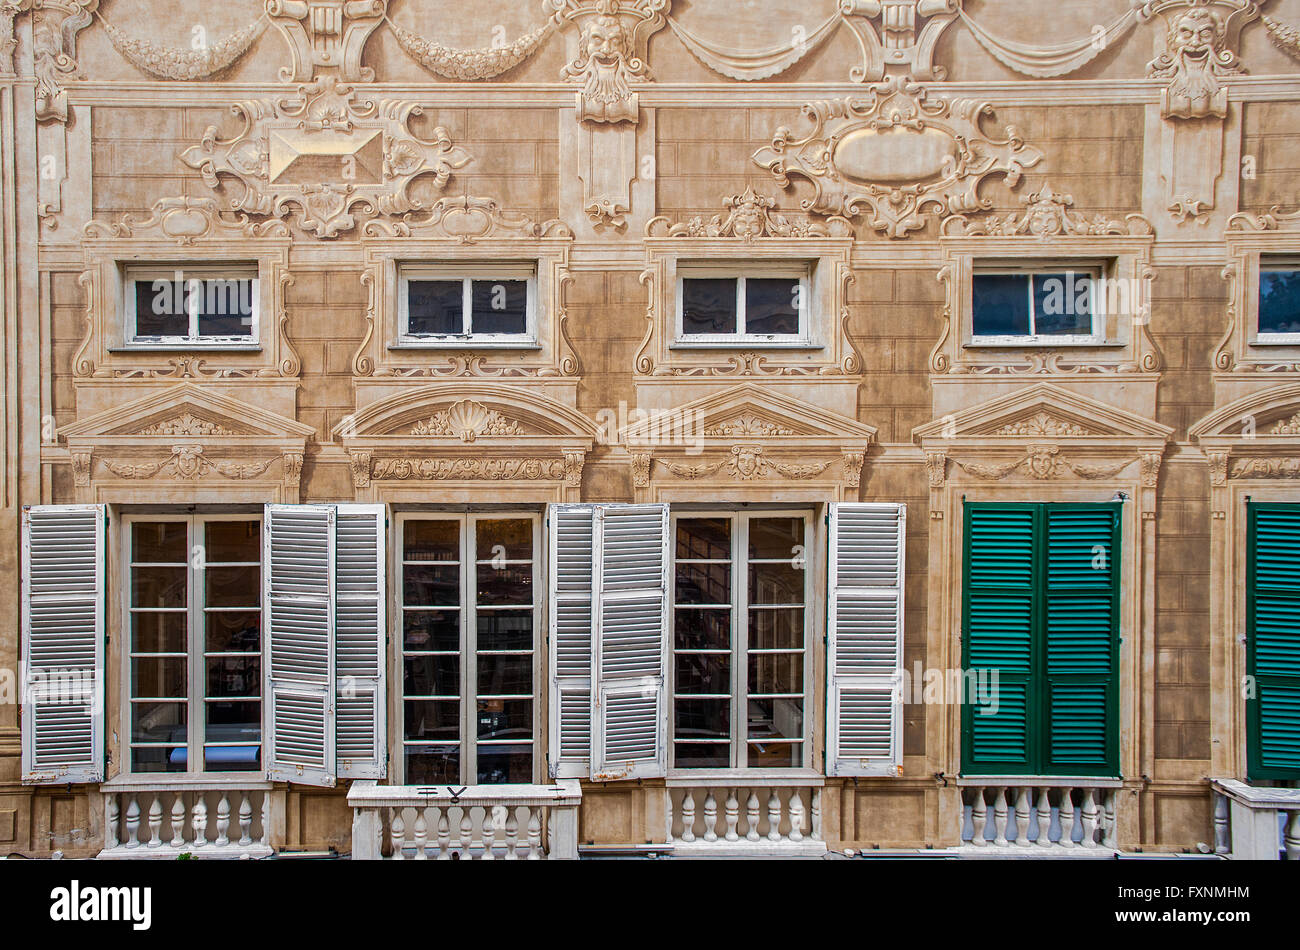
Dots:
{"x": 1059, "y": 814}
{"x": 1259, "y": 824}
{"x": 732, "y": 818}
{"x": 207, "y": 819}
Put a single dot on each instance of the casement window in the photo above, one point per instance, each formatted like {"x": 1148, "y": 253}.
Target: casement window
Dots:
{"x": 1272, "y": 645}
{"x": 1041, "y": 633}
{"x": 494, "y": 304}
{"x": 201, "y": 305}
{"x": 469, "y": 625}
{"x": 1279, "y": 300}
{"x": 194, "y": 629}
{"x": 1023, "y": 305}
{"x": 729, "y": 306}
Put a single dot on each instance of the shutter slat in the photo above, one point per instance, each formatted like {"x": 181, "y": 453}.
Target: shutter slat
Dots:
{"x": 1273, "y": 638}
{"x": 360, "y": 634}
{"x": 572, "y": 573}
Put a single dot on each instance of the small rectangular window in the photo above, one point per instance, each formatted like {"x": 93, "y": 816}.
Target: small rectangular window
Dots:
{"x": 492, "y": 304}
{"x": 192, "y": 305}
{"x": 1056, "y": 305}
{"x": 1279, "y": 301}
{"x": 767, "y": 306}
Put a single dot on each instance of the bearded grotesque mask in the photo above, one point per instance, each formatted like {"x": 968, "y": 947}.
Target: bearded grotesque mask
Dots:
{"x": 606, "y": 65}
{"x": 1193, "y": 64}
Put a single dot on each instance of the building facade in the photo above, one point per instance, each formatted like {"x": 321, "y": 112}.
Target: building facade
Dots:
{"x": 593, "y": 427}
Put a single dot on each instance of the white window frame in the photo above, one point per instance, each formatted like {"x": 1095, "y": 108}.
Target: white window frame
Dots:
{"x": 740, "y": 274}
{"x": 1269, "y": 263}
{"x": 1094, "y": 270}
{"x": 149, "y": 273}
{"x": 739, "y": 738}
{"x": 196, "y": 684}
{"x": 467, "y": 274}
{"x": 468, "y": 636}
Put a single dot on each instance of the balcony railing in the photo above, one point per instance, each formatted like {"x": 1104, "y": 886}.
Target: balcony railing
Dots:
{"x": 483, "y": 822}
{"x": 1076, "y": 815}
{"x": 766, "y": 817}
{"x": 1259, "y": 824}
{"x": 225, "y": 818}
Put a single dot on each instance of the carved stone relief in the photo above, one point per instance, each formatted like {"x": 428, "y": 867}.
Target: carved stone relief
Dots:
{"x": 326, "y": 34}
{"x": 749, "y": 216}
{"x": 1047, "y": 214}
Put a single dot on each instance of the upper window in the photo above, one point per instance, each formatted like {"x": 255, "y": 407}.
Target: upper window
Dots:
{"x": 489, "y": 305}
{"x": 740, "y": 622}
{"x": 469, "y": 625}
{"x": 767, "y": 306}
{"x": 204, "y": 305}
{"x": 1024, "y": 305}
{"x": 195, "y": 652}
{"x": 1279, "y": 301}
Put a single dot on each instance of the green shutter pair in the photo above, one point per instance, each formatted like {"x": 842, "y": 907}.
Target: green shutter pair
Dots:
{"x": 1040, "y": 606}
{"x": 1273, "y": 641}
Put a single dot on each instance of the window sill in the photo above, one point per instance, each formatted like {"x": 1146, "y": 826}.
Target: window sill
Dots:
{"x": 683, "y": 778}
{"x": 743, "y": 343}
{"x": 195, "y": 781}
{"x": 1047, "y": 781}
{"x": 464, "y": 343}
{"x": 195, "y": 347}
{"x": 1280, "y": 339}
{"x": 1042, "y": 344}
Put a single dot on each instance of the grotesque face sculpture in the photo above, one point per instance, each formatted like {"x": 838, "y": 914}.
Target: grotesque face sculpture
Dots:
{"x": 605, "y": 42}
{"x": 1193, "y": 63}
{"x": 1195, "y": 36}
{"x": 605, "y": 65}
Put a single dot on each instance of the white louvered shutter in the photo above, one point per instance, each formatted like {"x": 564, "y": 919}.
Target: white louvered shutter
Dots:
{"x": 298, "y": 566}
{"x": 629, "y": 718}
{"x": 63, "y": 644}
{"x": 360, "y": 637}
{"x": 864, "y": 716}
{"x": 572, "y": 566}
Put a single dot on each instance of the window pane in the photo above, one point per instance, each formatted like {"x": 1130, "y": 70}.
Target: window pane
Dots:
{"x": 505, "y": 675}
{"x": 1001, "y": 305}
{"x": 158, "y": 722}
{"x": 226, "y": 308}
{"x": 234, "y": 631}
{"x": 697, "y": 629}
{"x": 431, "y": 541}
{"x": 506, "y": 584}
{"x": 432, "y": 675}
{"x": 430, "y": 585}
{"x": 435, "y": 306}
{"x": 706, "y": 539}
{"x": 703, "y": 673}
{"x": 436, "y": 765}
{"x": 159, "y": 587}
{"x": 502, "y": 764}
{"x": 702, "y": 755}
{"x": 510, "y": 540}
{"x": 775, "y": 673}
{"x": 708, "y": 305}
{"x": 233, "y": 722}
{"x": 158, "y": 632}
{"x": 776, "y": 538}
{"x": 703, "y": 718}
{"x": 430, "y": 719}
{"x": 776, "y": 582}
{"x": 159, "y": 677}
{"x": 775, "y": 755}
{"x": 233, "y": 542}
{"x": 703, "y": 583}
{"x": 778, "y": 628}
{"x": 234, "y": 676}
{"x": 505, "y": 630}
{"x": 160, "y": 542}
{"x": 776, "y": 718}
{"x": 431, "y": 630}
{"x": 233, "y": 586}
{"x": 500, "y": 306}
{"x": 505, "y": 719}
{"x": 1279, "y": 301}
{"x": 772, "y": 305}
{"x": 160, "y": 309}
{"x": 156, "y": 759}
{"x": 1063, "y": 304}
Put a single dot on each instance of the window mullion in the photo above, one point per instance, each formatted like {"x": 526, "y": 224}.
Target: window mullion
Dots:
{"x": 196, "y": 593}
{"x": 1033, "y": 316}
{"x": 467, "y": 305}
{"x": 740, "y": 642}
{"x": 468, "y": 651}
{"x": 741, "y": 325}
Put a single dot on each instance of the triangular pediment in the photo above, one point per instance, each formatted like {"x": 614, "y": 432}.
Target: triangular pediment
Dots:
{"x": 1272, "y": 415}
{"x": 186, "y": 411}
{"x": 747, "y": 412}
{"x": 1043, "y": 411}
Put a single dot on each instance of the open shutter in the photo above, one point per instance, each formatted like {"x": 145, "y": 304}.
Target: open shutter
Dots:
{"x": 998, "y": 607}
{"x": 571, "y": 571}
{"x": 1273, "y": 641}
{"x": 360, "y": 637}
{"x": 63, "y": 644}
{"x": 864, "y": 716}
{"x": 1081, "y": 617}
{"x": 629, "y": 738}
{"x": 299, "y": 637}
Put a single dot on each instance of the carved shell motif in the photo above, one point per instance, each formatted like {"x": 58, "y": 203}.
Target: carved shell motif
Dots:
{"x": 467, "y": 420}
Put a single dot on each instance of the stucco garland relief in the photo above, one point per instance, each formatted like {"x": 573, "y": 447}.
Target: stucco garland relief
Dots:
{"x": 321, "y": 154}
{"x": 187, "y": 461}
{"x": 1046, "y": 214}
{"x": 746, "y": 463}
{"x": 184, "y": 65}
{"x": 749, "y": 215}
{"x": 1043, "y": 462}
{"x": 1284, "y": 36}
{"x": 1266, "y": 468}
{"x": 896, "y": 156}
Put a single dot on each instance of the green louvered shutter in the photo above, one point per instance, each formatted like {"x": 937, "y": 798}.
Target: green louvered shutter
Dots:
{"x": 1081, "y": 622}
{"x": 998, "y": 620}
{"x": 1273, "y": 641}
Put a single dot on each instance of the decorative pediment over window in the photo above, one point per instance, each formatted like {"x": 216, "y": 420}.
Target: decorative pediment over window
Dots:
{"x": 746, "y": 439}
{"x": 158, "y": 447}
{"x": 470, "y": 433}
{"x": 1254, "y": 437}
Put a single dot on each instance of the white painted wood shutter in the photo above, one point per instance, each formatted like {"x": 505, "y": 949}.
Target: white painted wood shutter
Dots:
{"x": 360, "y": 638}
{"x": 864, "y": 653}
{"x": 62, "y": 617}
{"x": 572, "y": 572}
{"x": 629, "y": 714}
{"x": 298, "y": 634}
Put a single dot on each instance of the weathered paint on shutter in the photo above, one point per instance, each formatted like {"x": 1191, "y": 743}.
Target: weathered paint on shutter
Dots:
{"x": 572, "y": 569}
{"x": 865, "y": 639}
{"x": 62, "y": 674}
{"x": 298, "y": 605}
{"x": 360, "y": 633}
{"x": 629, "y": 735}
{"x": 1273, "y": 641}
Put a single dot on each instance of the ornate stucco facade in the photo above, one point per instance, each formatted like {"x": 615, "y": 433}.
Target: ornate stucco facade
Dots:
{"x": 885, "y": 147}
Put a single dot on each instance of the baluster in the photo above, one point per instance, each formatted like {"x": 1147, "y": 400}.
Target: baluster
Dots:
{"x": 1067, "y": 818}
{"x": 796, "y": 815}
{"x": 1221, "y": 845}
{"x": 710, "y": 816}
{"x": 1292, "y": 837}
{"x": 466, "y": 831}
{"x": 178, "y": 821}
{"x": 1022, "y": 817}
{"x": 444, "y": 834}
{"x": 265, "y": 838}
{"x": 688, "y": 816}
{"x": 512, "y": 835}
{"x": 155, "y": 821}
{"x": 223, "y": 821}
{"x": 489, "y": 831}
{"x": 113, "y": 832}
{"x": 733, "y": 815}
{"x": 1043, "y": 818}
{"x": 535, "y": 834}
{"x": 1108, "y": 799}
{"x": 133, "y": 824}
{"x": 200, "y": 820}
{"x": 1000, "y": 818}
{"x": 399, "y": 834}
{"x": 751, "y": 816}
{"x": 978, "y": 818}
{"x": 1088, "y": 814}
{"x": 816, "y": 814}
{"x": 421, "y": 835}
{"x": 774, "y": 816}
{"x": 245, "y": 819}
